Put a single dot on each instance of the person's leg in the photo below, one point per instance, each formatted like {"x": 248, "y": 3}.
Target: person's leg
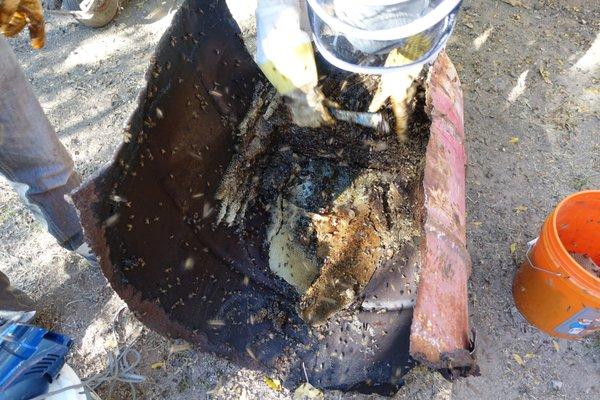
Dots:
{"x": 32, "y": 157}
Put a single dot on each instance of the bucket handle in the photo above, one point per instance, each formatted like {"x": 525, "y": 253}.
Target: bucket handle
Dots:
{"x": 532, "y": 265}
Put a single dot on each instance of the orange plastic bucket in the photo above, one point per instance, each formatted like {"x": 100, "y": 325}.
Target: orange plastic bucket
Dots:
{"x": 552, "y": 290}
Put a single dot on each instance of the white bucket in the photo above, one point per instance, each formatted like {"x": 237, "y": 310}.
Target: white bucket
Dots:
{"x": 67, "y": 377}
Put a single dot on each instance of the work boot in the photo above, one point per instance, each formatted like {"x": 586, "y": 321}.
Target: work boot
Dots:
{"x": 93, "y": 13}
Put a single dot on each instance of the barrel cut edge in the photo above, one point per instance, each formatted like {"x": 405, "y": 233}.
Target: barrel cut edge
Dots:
{"x": 440, "y": 332}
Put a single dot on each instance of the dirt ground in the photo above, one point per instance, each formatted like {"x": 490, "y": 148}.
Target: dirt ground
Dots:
{"x": 531, "y": 78}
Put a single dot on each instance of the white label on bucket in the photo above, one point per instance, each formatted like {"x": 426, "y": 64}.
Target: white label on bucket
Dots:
{"x": 580, "y": 324}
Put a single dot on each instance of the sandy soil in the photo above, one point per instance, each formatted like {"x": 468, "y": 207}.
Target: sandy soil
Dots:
{"x": 531, "y": 76}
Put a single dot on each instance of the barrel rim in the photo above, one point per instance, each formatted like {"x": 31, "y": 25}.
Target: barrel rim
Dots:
{"x": 568, "y": 263}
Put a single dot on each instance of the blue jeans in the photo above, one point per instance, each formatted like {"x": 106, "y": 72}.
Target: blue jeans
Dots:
{"x": 32, "y": 157}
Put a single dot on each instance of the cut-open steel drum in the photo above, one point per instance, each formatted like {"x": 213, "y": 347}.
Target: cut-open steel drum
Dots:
{"x": 150, "y": 218}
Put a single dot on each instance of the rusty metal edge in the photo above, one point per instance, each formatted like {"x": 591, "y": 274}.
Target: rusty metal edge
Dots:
{"x": 445, "y": 349}
{"x": 87, "y": 199}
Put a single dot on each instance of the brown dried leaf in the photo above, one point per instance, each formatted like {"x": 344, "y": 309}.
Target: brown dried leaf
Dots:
{"x": 518, "y": 359}
{"x": 545, "y": 75}
{"x": 158, "y": 365}
{"x": 273, "y": 383}
{"x": 306, "y": 391}
{"x": 520, "y": 209}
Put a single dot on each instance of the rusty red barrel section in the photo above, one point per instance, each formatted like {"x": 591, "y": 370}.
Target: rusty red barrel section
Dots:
{"x": 440, "y": 334}
{"x": 149, "y": 216}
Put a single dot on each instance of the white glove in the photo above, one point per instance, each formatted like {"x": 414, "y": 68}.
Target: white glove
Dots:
{"x": 285, "y": 54}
